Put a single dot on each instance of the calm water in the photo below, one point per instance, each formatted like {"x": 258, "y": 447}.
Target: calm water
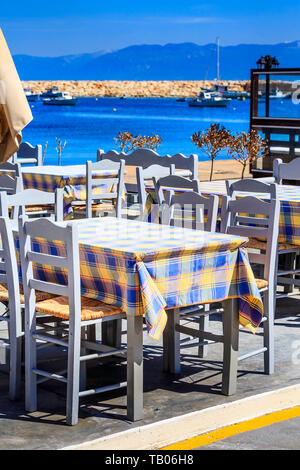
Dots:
{"x": 94, "y": 122}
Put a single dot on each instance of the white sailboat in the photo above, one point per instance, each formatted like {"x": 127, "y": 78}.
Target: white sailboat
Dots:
{"x": 211, "y": 99}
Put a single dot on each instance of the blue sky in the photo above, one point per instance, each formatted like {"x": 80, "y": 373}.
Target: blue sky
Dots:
{"x": 72, "y": 26}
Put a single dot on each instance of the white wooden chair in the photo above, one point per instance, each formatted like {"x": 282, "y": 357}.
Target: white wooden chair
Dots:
{"x": 12, "y": 169}
{"x": 28, "y": 155}
{"x": 286, "y": 270}
{"x": 109, "y": 202}
{"x": 75, "y": 312}
{"x": 12, "y": 316}
{"x": 147, "y": 157}
{"x": 144, "y": 177}
{"x": 172, "y": 183}
{"x": 50, "y": 204}
{"x": 10, "y": 184}
{"x": 12, "y": 296}
{"x": 193, "y": 211}
{"x": 251, "y": 185}
{"x": 254, "y": 226}
{"x": 286, "y": 171}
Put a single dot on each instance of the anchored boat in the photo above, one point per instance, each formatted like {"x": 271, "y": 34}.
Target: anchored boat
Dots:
{"x": 30, "y": 95}
{"x": 60, "y": 99}
{"x": 209, "y": 100}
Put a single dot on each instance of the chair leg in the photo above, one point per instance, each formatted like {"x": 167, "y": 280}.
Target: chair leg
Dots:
{"x": 83, "y": 366}
{"x": 30, "y": 360}
{"x": 269, "y": 332}
{"x": 73, "y": 371}
{"x": 274, "y": 287}
{"x": 15, "y": 367}
{"x": 112, "y": 333}
{"x": 203, "y": 326}
{"x": 231, "y": 346}
{"x": 91, "y": 333}
{"x": 289, "y": 264}
{"x": 14, "y": 328}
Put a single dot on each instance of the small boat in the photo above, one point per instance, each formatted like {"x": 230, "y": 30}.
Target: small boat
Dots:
{"x": 64, "y": 99}
{"x": 278, "y": 94}
{"x": 226, "y": 93}
{"x": 209, "y": 100}
{"x": 30, "y": 95}
{"x": 51, "y": 93}
{"x": 275, "y": 94}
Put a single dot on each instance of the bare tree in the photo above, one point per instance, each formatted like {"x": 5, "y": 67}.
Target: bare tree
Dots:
{"x": 246, "y": 148}
{"x": 211, "y": 142}
{"x": 44, "y": 151}
{"x": 127, "y": 142}
{"x": 59, "y": 148}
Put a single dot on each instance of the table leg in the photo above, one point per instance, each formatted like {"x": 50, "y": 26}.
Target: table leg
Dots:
{"x": 171, "y": 347}
{"x": 231, "y": 346}
{"x": 135, "y": 368}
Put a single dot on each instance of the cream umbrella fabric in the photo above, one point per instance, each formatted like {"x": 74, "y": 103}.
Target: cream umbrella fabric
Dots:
{"x": 15, "y": 112}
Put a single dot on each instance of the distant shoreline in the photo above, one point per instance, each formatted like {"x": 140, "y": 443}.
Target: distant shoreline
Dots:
{"x": 140, "y": 89}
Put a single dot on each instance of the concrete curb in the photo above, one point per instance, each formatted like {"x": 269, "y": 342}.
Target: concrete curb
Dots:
{"x": 167, "y": 432}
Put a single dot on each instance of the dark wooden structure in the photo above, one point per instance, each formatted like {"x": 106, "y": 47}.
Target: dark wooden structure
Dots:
{"x": 285, "y": 147}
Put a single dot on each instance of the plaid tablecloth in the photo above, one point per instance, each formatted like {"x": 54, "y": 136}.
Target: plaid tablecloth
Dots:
{"x": 72, "y": 178}
{"x": 289, "y": 196}
{"x": 145, "y": 268}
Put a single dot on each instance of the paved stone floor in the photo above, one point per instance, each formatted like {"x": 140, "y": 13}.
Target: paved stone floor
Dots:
{"x": 165, "y": 396}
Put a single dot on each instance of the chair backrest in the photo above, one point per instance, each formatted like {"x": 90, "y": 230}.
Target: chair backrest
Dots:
{"x": 31, "y": 197}
{"x": 66, "y": 258}
{"x": 10, "y": 184}
{"x": 144, "y": 177}
{"x": 147, "y": 157}
{"x": 173, "y": 183}
{"x": 11, "y": 169}
{"x": 27, "y": 154}
{"x": 94, "y": 180}
{"x": 253, "y": 218}
{"x": 9, "y": 273}
{"x": 250, "y": 185}
{"x": 191, "y": 210}
{"x": 286, "y": 171}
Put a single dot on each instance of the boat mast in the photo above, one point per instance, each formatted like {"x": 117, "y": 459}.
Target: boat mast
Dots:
{"x": 218, "y": 59}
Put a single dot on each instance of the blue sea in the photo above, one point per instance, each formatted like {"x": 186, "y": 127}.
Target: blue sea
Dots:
{"x": 93, "y": 123}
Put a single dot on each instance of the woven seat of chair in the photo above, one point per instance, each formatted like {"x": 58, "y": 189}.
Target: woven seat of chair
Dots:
{"x": 90, "y": 308}
{"x": 131, "y": 212}
{"x": 261, "y": 245}
{"x": 38, "y": 208}
{"x": 96, "y": 208}
{"x": 261, "y": 283}
{"x": 4, "y": 295}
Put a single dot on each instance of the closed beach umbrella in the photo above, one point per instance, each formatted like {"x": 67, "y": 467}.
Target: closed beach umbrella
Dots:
{"x": 15, "y": 112}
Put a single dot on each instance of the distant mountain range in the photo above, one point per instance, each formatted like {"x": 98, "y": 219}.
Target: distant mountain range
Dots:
{"x": 186, "y": 61}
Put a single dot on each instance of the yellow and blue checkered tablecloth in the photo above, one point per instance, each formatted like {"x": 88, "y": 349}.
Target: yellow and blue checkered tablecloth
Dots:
{"x": 146, "y": 268}
{"x": 289, "y": 196}
{"x": 72, "y": 178}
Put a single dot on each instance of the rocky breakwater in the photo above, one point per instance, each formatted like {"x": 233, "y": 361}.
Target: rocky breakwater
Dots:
{"x": 137, "y": 89}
